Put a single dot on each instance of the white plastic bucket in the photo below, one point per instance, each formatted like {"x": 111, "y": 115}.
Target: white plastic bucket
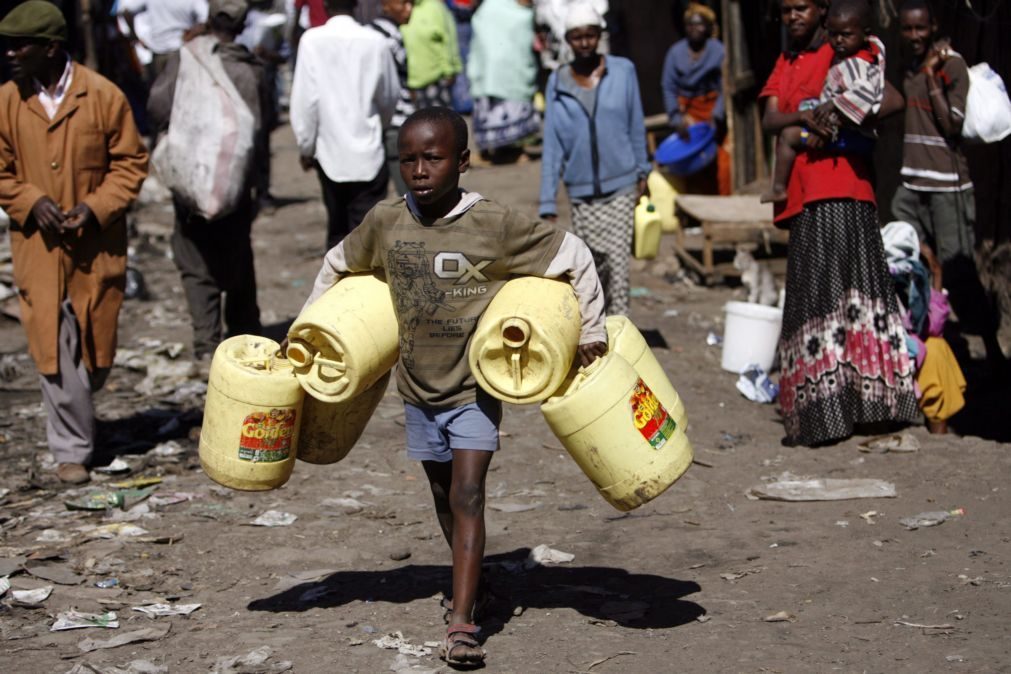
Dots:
{"x": 750, "y": 335}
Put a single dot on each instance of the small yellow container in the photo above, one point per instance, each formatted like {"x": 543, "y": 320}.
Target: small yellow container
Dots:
{"x": 330, "y": 430}
{"x": 249, "y": 437}
{"x": 619, "y": 433}
{"x": 663, "y": 194}
{"x": 646, "y": 243}
{"x": 526, "y": 340}
{"x": 625, "y": 339}
{"x": 346, "y": 340}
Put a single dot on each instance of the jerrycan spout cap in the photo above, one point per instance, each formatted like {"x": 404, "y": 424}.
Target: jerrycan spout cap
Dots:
{"x": 515, "y": 332}
{"x": 299, "y": 353}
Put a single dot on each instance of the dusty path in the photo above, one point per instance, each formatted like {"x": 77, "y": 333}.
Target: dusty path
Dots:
{"x": 683, "y": 584}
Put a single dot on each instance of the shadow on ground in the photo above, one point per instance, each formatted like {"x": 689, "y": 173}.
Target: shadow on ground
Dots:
{"x": 638, "y": 601}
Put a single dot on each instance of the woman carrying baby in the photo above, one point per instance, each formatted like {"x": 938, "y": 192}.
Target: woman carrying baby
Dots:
{"x": 842, "y": 349}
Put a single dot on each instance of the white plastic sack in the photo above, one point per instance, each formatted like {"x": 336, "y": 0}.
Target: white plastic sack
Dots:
{"x": 205, "y": 157}
{"x": 987, "y": 109}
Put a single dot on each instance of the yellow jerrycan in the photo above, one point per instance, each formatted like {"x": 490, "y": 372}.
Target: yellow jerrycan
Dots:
{"x": 647, "y": 230}
{"x": 330, "y": 430}
{"x": 619, "y": 433}
{"x": 625, "y": 339}
{"x": 523, "y": 346}
{"x": 249, "y": 437}
{"x": 346, "y": 340}
{"x": 663, "y": 194}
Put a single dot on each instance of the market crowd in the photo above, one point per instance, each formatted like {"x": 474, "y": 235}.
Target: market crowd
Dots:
{"x": 862, "y": 343}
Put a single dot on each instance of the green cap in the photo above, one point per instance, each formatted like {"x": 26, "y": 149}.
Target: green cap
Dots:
{"x": 36, "y": 19}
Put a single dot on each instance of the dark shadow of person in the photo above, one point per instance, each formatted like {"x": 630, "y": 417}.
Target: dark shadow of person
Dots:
{"x": 633, "y": 600}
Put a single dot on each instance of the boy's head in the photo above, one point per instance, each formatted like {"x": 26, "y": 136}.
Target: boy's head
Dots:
{"x": 433, "y": 154}
{"x": 399, "y": 11}
{"x": 848, "y": 24}
{"x": 917, "y": 25}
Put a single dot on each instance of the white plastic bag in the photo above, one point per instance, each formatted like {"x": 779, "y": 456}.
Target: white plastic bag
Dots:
{"x": 987, "y": 109}
{"x": 206, "y": 155}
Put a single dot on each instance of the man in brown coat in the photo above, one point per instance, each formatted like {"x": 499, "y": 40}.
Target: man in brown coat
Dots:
{"x": 71, "y": 162}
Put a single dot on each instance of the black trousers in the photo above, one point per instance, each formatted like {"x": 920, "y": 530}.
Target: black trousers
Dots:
{"x": 347, "y": 203}
{"x": 215, "y": 260}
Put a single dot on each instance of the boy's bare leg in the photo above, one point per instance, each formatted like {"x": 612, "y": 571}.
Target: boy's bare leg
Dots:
{"x": 440, "y": 479}
{"x": 789, "y": 142}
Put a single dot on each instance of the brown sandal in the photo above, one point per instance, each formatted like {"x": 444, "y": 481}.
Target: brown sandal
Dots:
{"x": 463, "y": 635}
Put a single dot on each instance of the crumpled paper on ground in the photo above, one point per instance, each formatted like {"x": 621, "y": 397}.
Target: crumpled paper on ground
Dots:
{"x": 397, "y": 641}
{"x": 252, "y": 662}
{"x": 792, "y": 488}
{"x": 544, "y": 555}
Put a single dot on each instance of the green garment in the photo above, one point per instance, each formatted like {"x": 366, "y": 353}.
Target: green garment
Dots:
{"x": 502, "y": 62}
{"x": 430, "y": 40}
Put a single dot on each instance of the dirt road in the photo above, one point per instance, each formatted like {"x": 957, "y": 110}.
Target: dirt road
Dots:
{"x": 703, "y": 579}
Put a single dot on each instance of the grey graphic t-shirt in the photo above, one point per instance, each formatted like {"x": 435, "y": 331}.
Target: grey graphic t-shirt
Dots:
{"x": 442, "y": 275}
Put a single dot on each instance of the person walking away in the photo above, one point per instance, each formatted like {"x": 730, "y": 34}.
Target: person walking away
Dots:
{"x": 395, "y": 13}
{"x": 423, "y": 243}
{"x": 162, "y": 26}
{"x": 71, "y": 162}
{"x": 692, "y": 83}
{"x": 344, "y": 94}
{"x": 842, "y": 350}
{"x": 503, "y": 73}
{"x": 595, "y": 139}
{"x": 433, "y": 55}
{"x": 936, "y": 195}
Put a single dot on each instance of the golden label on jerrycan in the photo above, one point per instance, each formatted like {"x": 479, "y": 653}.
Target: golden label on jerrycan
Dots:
{"x": 266, "y": 436}
{"x": 523, "y": 346}
{"x": 249, "y": 437}
{"x": 619, "y": 433}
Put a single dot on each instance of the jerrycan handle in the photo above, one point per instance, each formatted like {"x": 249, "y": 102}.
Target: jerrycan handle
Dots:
{"x": 515, "y": 334}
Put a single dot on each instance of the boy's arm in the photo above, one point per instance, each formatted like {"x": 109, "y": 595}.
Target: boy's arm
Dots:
{"x": 574, "y": 260}
{"x": 355, "y": 253}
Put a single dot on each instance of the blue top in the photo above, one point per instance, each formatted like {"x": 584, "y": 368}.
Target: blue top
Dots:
{"x": 599, "y": 151}
{"x": 685, "y": 76}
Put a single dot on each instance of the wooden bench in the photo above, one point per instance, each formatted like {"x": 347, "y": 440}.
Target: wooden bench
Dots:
{"x": 726, "y": 222}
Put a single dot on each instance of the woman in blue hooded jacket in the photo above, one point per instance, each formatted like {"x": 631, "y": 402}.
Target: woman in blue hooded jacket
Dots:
{"x": 595, "y": 139}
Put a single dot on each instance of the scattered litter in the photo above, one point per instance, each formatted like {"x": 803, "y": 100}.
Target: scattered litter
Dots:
{"x": 11, "y": 565}
{"x": 51, "y": 536}
{"x": 274, "y": 518}
{"x": 118, "y": 465}
{"x": 105, "y": 500}
{"x": 53, "y": 572}
{"x": 842, "y": 523}
{"x": 736, "y": 575}
{"x": 171, "y": 498}
{"x": 107, "y": 583}
{"x": 159, "y": 610}
{"x": 137, "y": 482}
{"x": 402, "y": 664}
{"x": 73, "y": 620}
{"x": 780, "y": 617}
{"x": 545, "y": 555}
{"x": 869, "y": 516}
{"x": 32, "y": 598}
{"x": 114, "y": 530}
{"x": 624, "y": 610}
{"x": 168, "y": 449}
{"x": 930, "y": 519}
{"x": 756, "y": 386}
{"x": 712, "y": 339}
{"x": 945, "y": 626}
{"x": 638, "y": 291}
{"x": 966, "y": 580}
{"x": 396, "y": 641}
{"x": 791, "y": 488}
{"x": 350, "y": 505}
{"x": 514, "y": 507}
{"x": 609, "y": 657}
{"x": 954, "y": 658}
{"x": 671, "y": 313}
{"x": 899, "y": 442}
{"x": 132, "y": 667}
{"x": 254, "y": 661}
{"x": 136, "y": 636}
{"x": 5, "y": 584}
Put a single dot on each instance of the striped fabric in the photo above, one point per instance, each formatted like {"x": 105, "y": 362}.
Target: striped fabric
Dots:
{"x": 857, "y": 85}
{"x": 405, "y": 106}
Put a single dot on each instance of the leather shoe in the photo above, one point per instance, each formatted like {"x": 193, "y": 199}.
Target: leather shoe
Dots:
{"x": 72, "y": 473}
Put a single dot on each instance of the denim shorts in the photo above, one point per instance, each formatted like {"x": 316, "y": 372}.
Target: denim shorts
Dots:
{"x": 432, "y": 434}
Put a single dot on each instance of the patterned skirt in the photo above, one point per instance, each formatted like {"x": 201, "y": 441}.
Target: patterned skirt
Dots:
{"x": 438, "y": 94}
{"x": 500, "y": 123}
{"x": 606, "y": 225}
{"x": 842, "y": 350}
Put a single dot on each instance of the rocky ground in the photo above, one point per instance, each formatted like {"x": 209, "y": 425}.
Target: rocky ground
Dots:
{"x": 706, "y": 578}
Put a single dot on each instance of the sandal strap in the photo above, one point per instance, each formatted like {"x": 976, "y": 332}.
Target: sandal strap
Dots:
{"x": 466, "y": 628}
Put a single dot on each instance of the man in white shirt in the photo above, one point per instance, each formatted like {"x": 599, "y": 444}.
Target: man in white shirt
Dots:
{"x": 344, "y": 93}
{"x": 161, "y": 25}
